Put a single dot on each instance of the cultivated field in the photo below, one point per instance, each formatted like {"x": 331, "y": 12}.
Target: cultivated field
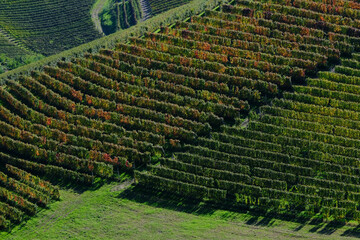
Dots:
{"x": 252, "y": 106}
{"x": 162, "y": 6}
{"x": 48, "y": 27}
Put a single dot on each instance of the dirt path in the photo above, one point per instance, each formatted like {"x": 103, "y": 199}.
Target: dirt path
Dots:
{"x": 95, "y": 14}
{"x": 245, "y": 123}
{"x": 122, "y": 186}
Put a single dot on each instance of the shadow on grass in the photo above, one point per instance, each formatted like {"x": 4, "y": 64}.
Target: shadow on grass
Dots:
{"x": 71, "y": 186}
{"x": 255, "y": 217}
{"x": 194, "y": 206}
{"x": 331, "y": 227}
{"x": 354, "y": 232}
{"x": 163, "y": 200}
{"x": 80, "y": 188}
{"x": 76, "y": 187}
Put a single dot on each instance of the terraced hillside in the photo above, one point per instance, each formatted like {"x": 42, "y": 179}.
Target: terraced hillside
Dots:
{"x": 301, "y": 155}
{"x": 180, "y": 91}
{"x": 118, "y": 15}
{"x": 162, "y": 6}
{"x": 10, "y": 48}
{"x": 12, "y": 54}
{"x": 48, "y": 27}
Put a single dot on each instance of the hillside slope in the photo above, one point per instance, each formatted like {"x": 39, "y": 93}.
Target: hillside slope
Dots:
{"x": 13, "y": 54}
{"x": 181, "y": 90}
{"x": 117, "y": 15}
{"x": 123, "y": 215}
{"x": 301, "y": 155}
{"x": 162, "y": 6}
{"x": 48, "y": 27}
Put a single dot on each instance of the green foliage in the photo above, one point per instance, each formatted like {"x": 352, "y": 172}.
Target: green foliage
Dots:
{"x": 158, "y": 7}
{"x": 301, "y": 150}
{"x": 72, "y": 123}
{"x": 119, "y": 14}
{"x": 48, "y": 27}
{"x": 172, "y": 92}
{"x": 9, "y": 63}
{"x": 154, "y": 215}
{"x": 110, "y": 41}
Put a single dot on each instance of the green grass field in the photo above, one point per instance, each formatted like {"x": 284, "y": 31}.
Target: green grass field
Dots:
{"x": 111, "y": 212}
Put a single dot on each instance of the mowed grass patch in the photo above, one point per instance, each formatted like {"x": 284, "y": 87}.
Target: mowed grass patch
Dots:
{"x": 110, "y": 213}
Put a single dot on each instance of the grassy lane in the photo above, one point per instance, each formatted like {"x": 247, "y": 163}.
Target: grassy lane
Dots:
{"x": 98, "y": 6}
{"x": 106, "y": 214}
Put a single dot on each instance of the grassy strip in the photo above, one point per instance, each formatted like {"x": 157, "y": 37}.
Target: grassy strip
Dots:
{"x": 114, "y": 212}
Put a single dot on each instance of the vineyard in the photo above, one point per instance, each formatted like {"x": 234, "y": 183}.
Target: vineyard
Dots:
{"x": 158, "y": 7}
{"x": 13, "y": 54}
{"x": 169, "y": 106}
{"x": 48, "y": 27}
{"x": 120, "y": 15}
{"x": 9, "y": 48}
{"x": 301, "y": 154}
